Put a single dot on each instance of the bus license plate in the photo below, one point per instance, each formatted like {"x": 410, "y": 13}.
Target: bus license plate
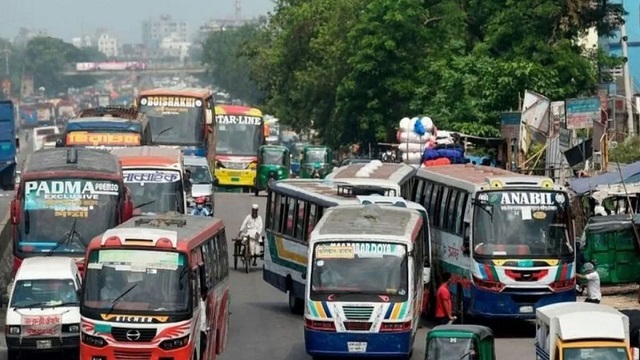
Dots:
{"x": 357, "y": 347}
{"x": 43, "y": 344}
{"x": 526, "y": 309}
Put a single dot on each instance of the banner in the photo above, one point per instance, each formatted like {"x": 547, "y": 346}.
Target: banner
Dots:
{"x": 44, "y": 325}
{"x": 151, "y": 176}
{"x": 581, "y": 113}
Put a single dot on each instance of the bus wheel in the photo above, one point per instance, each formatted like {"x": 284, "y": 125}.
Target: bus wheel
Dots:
{"x": 295, "y": 304}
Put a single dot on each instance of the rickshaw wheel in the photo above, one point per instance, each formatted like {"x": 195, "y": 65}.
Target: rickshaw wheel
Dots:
{"x": 256, "y": 192}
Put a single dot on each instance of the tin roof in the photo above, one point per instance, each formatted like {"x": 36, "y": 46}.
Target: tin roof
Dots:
{"x": 367, "y": 219}
{"x": 56, "y": 160}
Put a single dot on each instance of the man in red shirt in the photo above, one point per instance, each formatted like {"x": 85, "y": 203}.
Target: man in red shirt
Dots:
{"x": 444, "y": 314}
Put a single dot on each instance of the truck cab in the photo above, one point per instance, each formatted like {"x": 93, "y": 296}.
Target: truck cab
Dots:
{"x": 567, "y": 331}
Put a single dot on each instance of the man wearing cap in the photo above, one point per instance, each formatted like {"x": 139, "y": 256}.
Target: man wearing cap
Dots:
{"x": 252, "y": 227}
{"x": 593, "y": 283}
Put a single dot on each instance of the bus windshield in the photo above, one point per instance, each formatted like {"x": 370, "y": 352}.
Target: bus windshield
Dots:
{"x": 609, "y": 353}
{"x": 102, "y": 139}
{"x": 181, "y": 126}
{"x": 367, "y": 271}
{"x": 155, "y": 191}
{"x": 137, "y": 280}
{"x": 63, "y": 215}
{"x": 522, "y": 224}
{"x": 239, "y": 139}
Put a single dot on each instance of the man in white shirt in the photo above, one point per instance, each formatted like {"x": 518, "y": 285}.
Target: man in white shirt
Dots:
{"x": 204, "y": 329}
{"x": 252, "y": 227}
{"x": 593, "y": 283}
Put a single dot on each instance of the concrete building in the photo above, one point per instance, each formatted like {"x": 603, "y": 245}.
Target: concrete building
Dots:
{"x": 82, "y": 41}
{"x": 174, "y": 47}
{"x": 155, "y": 30}
{"x": 107, "y": 44}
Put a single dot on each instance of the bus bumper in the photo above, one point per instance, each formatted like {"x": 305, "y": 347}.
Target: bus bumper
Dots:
{"x": 88, "y": 352}
{"x": 228, "y": 177}
{"x": 322, "y": 343}
{"x": 514, "y": 305}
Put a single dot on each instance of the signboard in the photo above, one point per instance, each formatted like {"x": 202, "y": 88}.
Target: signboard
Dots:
{"x": 85, "y": 138}
{"x": 45, "y": 325}
{"x": 150, "y": 176}
{"x": 359, "y": 249}
{"x": 238, "y": 120}
{"x": 581, "y": 113}
{"x": 142, "y": 259}
{"x": 68, "y": 198}
{"x": 171, "y": 101}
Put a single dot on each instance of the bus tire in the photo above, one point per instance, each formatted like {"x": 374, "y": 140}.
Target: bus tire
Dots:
{"x": 296, "y": 306}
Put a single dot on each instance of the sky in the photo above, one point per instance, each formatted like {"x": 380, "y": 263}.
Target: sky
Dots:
{"x": 123, "y": 18}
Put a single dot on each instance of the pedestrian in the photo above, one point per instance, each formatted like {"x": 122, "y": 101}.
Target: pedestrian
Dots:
{"x": 444, "y": 313}
{"x": 593, "y": 283}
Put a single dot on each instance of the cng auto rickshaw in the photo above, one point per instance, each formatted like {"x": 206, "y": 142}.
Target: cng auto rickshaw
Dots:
{"x": 460, "y": 342}
{"x": 317, "y": 162}
{"x": 274, "y": 164}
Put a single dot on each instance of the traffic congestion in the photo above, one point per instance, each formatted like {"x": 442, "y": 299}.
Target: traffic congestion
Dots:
{"x": 174, "y": 229}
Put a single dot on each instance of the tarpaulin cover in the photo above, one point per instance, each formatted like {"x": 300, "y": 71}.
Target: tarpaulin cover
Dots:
{"x": 630, "y": 174}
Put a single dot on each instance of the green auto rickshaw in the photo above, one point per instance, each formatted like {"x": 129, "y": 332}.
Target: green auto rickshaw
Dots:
{"x": 317, "y": 162}
{"x": 274, "y": 164}
{"x": 460, "y": 342}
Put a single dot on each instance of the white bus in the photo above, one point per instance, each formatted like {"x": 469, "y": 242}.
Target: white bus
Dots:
{"x": 506, "y": 239}
{"x": 294, "y": 206}
{"x": 364, "y": 283}
{"x": 395, "y": 179}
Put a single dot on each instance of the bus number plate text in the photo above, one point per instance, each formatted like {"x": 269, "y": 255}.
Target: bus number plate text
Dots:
{"x": 526, "y": 309}
{"x": 357, "y": 347}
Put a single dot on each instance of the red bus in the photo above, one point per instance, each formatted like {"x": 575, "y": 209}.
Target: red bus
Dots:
{"x": 66, "y": 197}
{"x": 142, "y": 288}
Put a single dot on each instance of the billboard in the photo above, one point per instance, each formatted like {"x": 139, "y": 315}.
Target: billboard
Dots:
{"x": 111, "y": 66}
{"x": 581, "y": 113}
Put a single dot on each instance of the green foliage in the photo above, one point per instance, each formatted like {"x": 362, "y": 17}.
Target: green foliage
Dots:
{"x": 229, "y": 67}
{"x": 45, "y": 58}
{"x": 626, "y": 152}
{"x": 353, "y": 68}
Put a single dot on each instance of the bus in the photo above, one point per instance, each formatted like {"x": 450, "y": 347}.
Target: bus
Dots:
{"x": 107, "y": 128}
{"x": 181, "y": 118}
{"x": 364, "y": 283}
{"x": 66, "y": 197}
{"x": 155, "y": 177}
{"x": 143, "y": 285}
{"x": 506, "y": 239}
{"x": 294, "y": 206}
{"x": 241, "y": 133}
{"x": 398, "y": 179}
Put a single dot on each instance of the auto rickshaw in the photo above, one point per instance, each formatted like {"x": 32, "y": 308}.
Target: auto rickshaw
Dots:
{"x": 317, "y": 162}
{"x": 274, "y": 164}
{"x": 460, "y": 342}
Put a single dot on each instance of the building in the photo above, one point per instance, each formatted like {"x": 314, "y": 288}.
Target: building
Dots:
{"x": 133, "y": 52}
{"x": 107, "y": 44}
{"x": 174, "y": 47}
{"x": 155, "y": 30}
{"x": 214, "y": 25}
{"x": 82, "y": 41}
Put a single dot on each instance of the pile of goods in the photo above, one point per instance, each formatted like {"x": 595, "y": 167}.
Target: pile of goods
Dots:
{"x": 422, "y": 143}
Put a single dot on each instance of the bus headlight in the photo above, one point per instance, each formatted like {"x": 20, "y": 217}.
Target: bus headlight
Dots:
{"x": 13, "y": 330}
{"x": 94, "y": 341}
{"x": 174, "y": 343}
{"x": 253, "y": 166}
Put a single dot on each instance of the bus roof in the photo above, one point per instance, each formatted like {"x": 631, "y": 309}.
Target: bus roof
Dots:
{"x": 148, "y": 156}
{"x": 323, "y": 192}
{"x": 237, "y": 110}
{"x": 184, "y": 232}
{"x": 62, "y": 159}
{"x": 373, "y": 170}
{"x": 103, "y": 123}
{"x": 358, "y": 220}
{"x": 476, "y": 177}
{"x": 178, "y": 91}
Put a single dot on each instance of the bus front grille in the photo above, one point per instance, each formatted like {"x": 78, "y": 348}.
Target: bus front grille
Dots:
{"x": 357, "y": 312}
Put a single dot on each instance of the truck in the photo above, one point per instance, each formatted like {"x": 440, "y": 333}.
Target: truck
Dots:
{"x": 581, "y": 331}
{"x": 8, "y": 145}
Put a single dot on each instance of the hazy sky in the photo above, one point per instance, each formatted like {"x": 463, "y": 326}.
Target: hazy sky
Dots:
{"x": 69, "y": 18}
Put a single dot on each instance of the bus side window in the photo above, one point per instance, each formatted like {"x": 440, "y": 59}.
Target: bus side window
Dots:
{"x": 441, "y": 215}
{"x": 433, "y": 204}
{"x": 208, "y": 260}
{"x": 270, "y": 209}
{"x": 311, "y": 219}
{"x": 291, "y": 216}
{"x": 466, "y": 240}
{"x": 275, "y": 223}
{"x": 223, "y": 255}
{"x": 214, "y": 269}
{"x": 451, "y": 211}
{"x": 300, "y": 221}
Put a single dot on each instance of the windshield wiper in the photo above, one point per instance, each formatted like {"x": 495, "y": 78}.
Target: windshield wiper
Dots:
{"x": 66, "y": 303}
{"x": 115, "y": 301}
{"x": 145, "y": 204}
{"x": 67, "y": 238}
{"x": 32, "y": 305}
{"x": 164, "y": 131}
{"x": 27, "y": 222}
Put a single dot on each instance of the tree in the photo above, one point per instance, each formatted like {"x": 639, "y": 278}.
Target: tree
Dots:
{"x": 229, "y": 68}
{"x": 352, "y": 69}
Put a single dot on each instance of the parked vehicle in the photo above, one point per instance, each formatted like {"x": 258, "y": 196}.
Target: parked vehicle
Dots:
{"x": 460, "y": 342}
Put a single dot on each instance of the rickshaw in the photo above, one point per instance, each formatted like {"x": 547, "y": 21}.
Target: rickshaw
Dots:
{"x": 273, "y": 164}
{"x": 317, "y": 162}
{"x": 242, "y": 251}
{"x": 460, "y": 342}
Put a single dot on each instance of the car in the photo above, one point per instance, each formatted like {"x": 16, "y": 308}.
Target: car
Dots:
{"x": 202, "y": 183}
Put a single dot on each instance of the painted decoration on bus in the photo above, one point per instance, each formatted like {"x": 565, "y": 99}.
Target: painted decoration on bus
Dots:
{"x": 93, "y": 139}
{"x": 68, "y": 198}
{"x": 517, "y": 199}
{"x": 42, "y": 325}
{"x": 171, "y": 101}
{"x": 150, "y": 176}
{"x": 238, "y": 120}
{"x": 360, "y": 249}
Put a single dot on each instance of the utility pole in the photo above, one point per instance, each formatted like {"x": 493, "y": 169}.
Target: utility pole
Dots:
{"x": 627, "y": 79}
